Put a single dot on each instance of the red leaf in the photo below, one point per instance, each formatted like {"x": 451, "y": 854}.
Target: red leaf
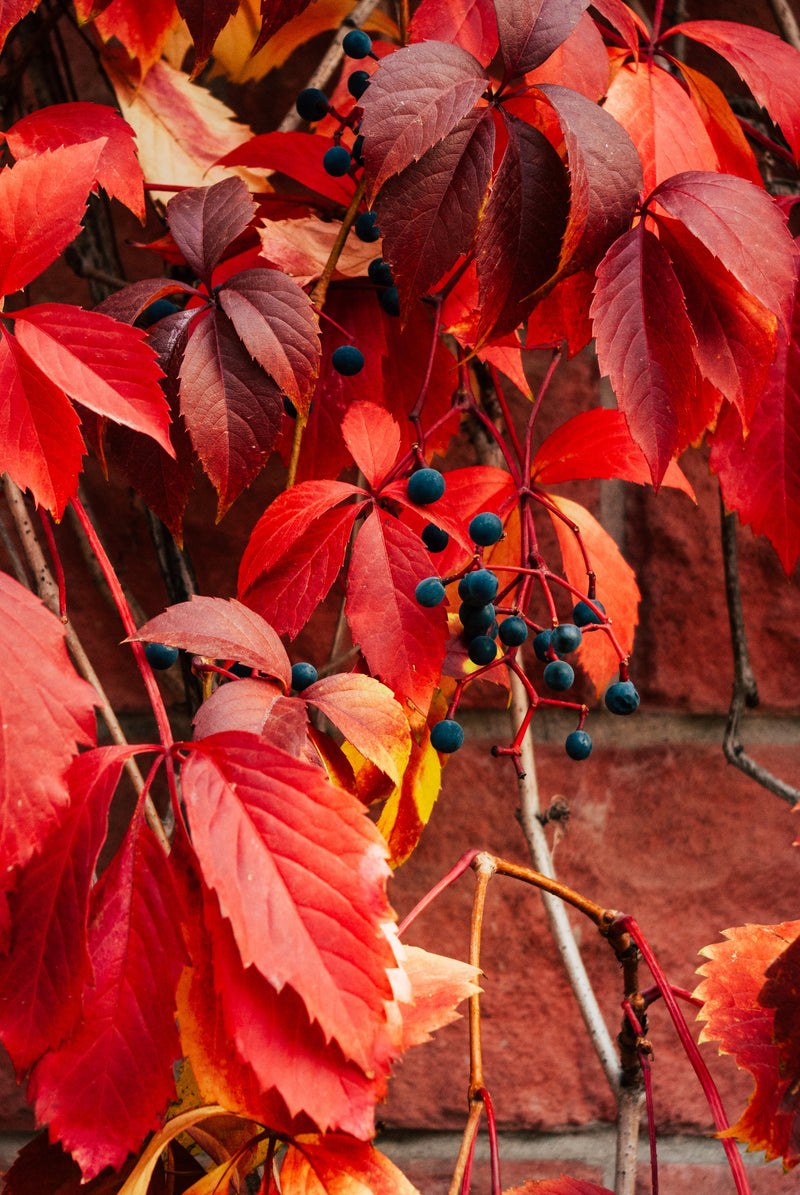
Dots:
{"x": 416, "y": 98}
{"x": 725, "y": 133}
{"x": 521, "y": 232}
{"x": 142, "y": 31}
{"x": 118, "y": 170}
{"x": 373, "y": 440}
{"x": 597, "y": 443}
{"x": 559, "y": 1186}
{"x": 368, "y": 716}
{"x": 661, "y": 120}
{"x": 253, "y": 705}
{"x": 221, "y": 629}
{"x": 438, "y": 985}
{"x": 782, "y": 992}
{"x": 43, "y": 975}
{"x": 580, "y": 63}
{"x": 470, "y": 24}
{"x": 337, "y": 1165}
{"x": 625, "y": 21}
{"x": 40, "y": 445}
{"x": 736, "y": 334}
{"x": 616, "y": 588}
{"x": 276, "y": 323}
{"x": 760, "y": 476}
{"x": 274, "y": 15}
{"x": 206, "y": 20}
{"x": 298, "y": 156}
{"x": 646, "y": 345}
{"x": 98, "y": 362}
{"x": 405, "y": 647}
{"x": 562, "y": 315}
{"x": 232, "y": 408}
{"x": 42, "y": 201}
{"x": 12, "y": 13}
{"x": 768, "y": 66}
{"x": 428, "y": 213}
{"x": 530, "y": 32}
{"x": 108, "y": 1085}
{"x": 46, "y": 709}
{"x": 204, "y": 221}
{"x": 605, "y": 176}
{"x": 741, "y": 225}
{"x": 304, "y": 890}
{"x": 745, "y": 1028}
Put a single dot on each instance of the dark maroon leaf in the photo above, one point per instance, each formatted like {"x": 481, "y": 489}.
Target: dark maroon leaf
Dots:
{"x": 232, "y": 408}
{"x": 129, "y": 303}
{"x": 204, "y": 221}
{"x": 206, "y": 20}
{"x": 415, "y": 98}
{"x": 624, "y": 20}
{"x": 605, "y": 175}
{"x": 520, "y": 236}
{"x": 646, "y": 345}
{"x": 277, "y": 325}
{"x": 741, "y": 225}
{"x": 428, "y": 214}
{"x": 275, "y": 14}
{"x": 530, "y": 32}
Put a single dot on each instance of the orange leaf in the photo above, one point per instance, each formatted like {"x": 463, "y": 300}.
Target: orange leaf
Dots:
{"x": 438, "y": 984}
{"x": 338, "y": 1165}
{"x": 368, "y": 716}
{"x": 408, "y": 808}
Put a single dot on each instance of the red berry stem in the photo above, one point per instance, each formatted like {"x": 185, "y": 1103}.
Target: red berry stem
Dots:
{"x": 644, "y": 1050}
{"x": 463, "y": 864}
{"x": 494, "y": 1152}
{"x": 509, "y": 422}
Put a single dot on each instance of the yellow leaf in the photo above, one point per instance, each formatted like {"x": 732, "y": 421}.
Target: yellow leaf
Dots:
{"x": 409, "y": 806}
{"x": 139, "y": 1179}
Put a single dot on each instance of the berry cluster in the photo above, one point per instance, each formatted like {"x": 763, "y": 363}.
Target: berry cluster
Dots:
{"x": 485, "y": 620}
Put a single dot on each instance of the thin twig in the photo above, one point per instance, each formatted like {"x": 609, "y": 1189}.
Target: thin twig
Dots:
{"x": 787, "y": 22}
{"x": 745, "y": 690}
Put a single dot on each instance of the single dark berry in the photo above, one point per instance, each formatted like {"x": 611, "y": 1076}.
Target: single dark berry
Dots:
{"x": 357, "y": 43}
{"x": 482, "y": 650}
{"x": 621, "y": 697}
{"x": 541, "y": 645}
{"x": 336, "y": 161}
{"x": 312, "y": 104}
{"x": 446, "y": 736}
{"x": 156, "y": 311}
{"x": 303, "y": 675}
{"x": 390, "y": 301}
{"x": 475, "y": 619}
{"x": 566, "y": 638}
{"x": 289, "y": 407}
{"x": 578, "y": 745}
{"x": 429, "y": 592}
{"x": 434, "y": 538}
{"x": 480, "y": 587}
{"x": 380, "y": 272}
{"x": 583, "y": 615}
{"x": 558, "y": 675}
{"x": 243, "y": 670}
{"x": 160, "y": 655}
{"x": 486, "y": 529}
{"x": 347, "y": 360}
{"x": 358, "y": 151}
{"x": 358, "y": 83}
{"x": 425, "y": 487}
{"x": 366, "y": 227}
{"x": 513, "y": 631}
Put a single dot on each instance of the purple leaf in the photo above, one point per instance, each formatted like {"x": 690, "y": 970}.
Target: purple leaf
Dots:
{"x": 530, "y": 32}
{"x": 204, "y": 221}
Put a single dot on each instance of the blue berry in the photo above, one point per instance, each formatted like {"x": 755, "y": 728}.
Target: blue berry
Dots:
{"x": 357, "y": 43}
{"x": 446, "y": 736}
{"x": 312, "y": 104}
{"x": 513, "y": 631}
{"x": 390, "y": 301}
{"x": 303, "y": 675}
{"x": 347, "y": 360}
{"x": 336, "y": 161}
{"x": 480, "y": 587}
{"x": 160, "y": 656}
{"x": 621, "y": 697}
{"x": 380, "y": 272}
{"x": 156, "y": 311}
{"x": 583, "y": 615}
{"x": 366, "y": 227}
{"x": 434, "y": 538}
{"x": 425, "y": 486}
{"x": 429, "y": 592}
{"x": 482, "y": 650}
{"x": 358, "y": 151}
{"x": 289, "y": 407}
{"x": 578, "y": 745}
{"x": 358, "y": 83}
{"x": 486, "y": 529}
{"x": 566, "y": 638}
{"x": 541, "y": 645}
{"x": 558, "y": 675}
{"x": 475, "y": 619}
